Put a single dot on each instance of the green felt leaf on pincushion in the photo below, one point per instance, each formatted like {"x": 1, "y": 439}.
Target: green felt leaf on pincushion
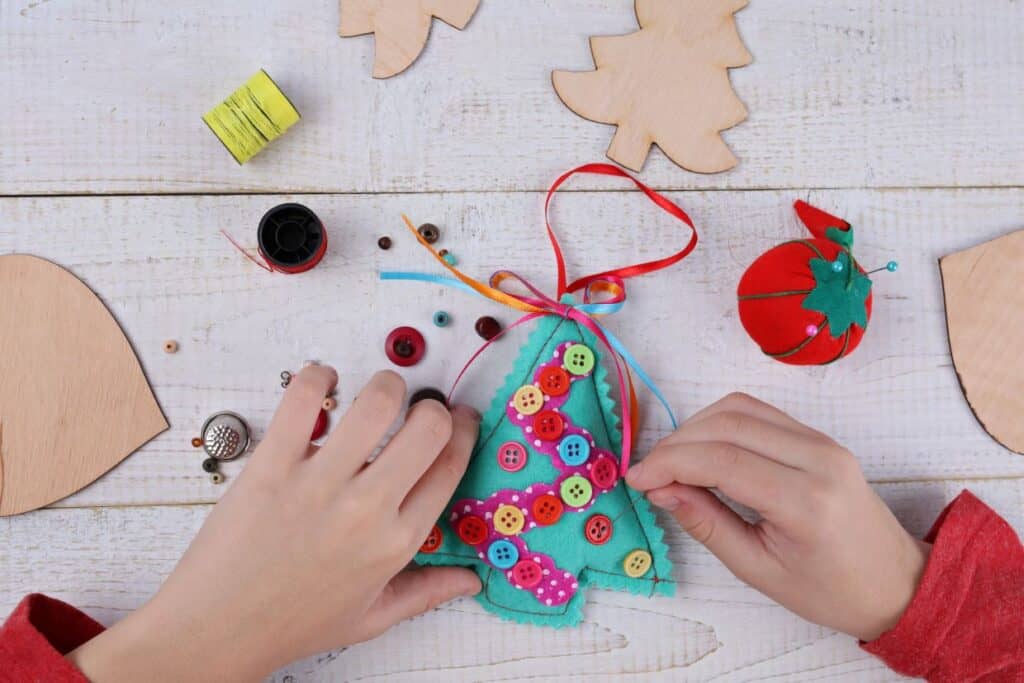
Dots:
{"x": 589, "y": 406}
{"x": 840, "y": 295}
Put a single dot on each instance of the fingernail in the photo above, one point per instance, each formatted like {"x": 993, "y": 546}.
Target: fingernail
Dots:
{"x": 665, "y": 501}
{"x": 471, "y": 589}
{"x": 467, "y": 411}
{"x": 635, "y": 472}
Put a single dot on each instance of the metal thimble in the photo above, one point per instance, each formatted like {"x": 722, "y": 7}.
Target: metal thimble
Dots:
{"x": 225, "y": 436}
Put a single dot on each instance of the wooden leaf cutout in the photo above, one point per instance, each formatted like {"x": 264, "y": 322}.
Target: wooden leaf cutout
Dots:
{"x": 666, "y": 84}
{"x": 985, "y": 316}
{"x": 73, "y": 399}
{"x": 400, "y": 27}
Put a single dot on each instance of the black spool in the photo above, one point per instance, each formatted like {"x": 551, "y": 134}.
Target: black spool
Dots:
{"x": 291, "y": 238}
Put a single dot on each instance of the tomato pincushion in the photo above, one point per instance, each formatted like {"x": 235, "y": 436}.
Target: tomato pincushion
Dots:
{"x": 808, "y": 301}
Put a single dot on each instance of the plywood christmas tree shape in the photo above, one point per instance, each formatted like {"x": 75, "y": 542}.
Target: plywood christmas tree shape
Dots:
{"x": 666, "y": 84}
{"x": 73, "y": 399}
{"x": 400, "y": 27}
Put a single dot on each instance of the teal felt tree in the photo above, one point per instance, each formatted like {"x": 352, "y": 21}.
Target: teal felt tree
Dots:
{"x": 542, "y": 512}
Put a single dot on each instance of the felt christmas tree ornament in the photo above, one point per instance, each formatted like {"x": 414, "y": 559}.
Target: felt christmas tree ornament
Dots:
{"x": 543, "y": 511}
{"x": 666, "y": 84}
{"x": 400, "y": 27}
{"x": 808, "y": 301}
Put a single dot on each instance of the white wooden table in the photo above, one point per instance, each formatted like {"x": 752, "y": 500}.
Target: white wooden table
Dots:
{"x": 907, "y": 118}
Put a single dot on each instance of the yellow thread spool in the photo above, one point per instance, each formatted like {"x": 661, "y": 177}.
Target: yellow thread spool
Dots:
{"x": 251, "y": 117}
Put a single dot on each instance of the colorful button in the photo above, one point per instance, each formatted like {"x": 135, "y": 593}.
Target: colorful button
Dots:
{"x": 487, "y": 327}
{"x": 579, "y": 359}
{"x": 528, "y": 400}
{"x": 574, "y": 450}
{"x": 441, "y": 318}
{"x": 511, "y": 456}
{"x": 576, "y": 491}
{"x": 405, "y": 346}
{"x": 598, "y": 529}
{"x": 433, "y": 541}
{"x": 554, "y": 381}
{"x": 637, "y": 563}
{"x": 527, "y": 573}
{"x": 548, "y": 425}
{"x": 472, "y": 530}
{"x": 604, "y": 472}
{"x": 509, "y": 520}
{"x": 502, "y": 554}
{"x": 547, "y": 510}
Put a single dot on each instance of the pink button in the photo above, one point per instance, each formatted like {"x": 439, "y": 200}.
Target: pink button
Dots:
{"x": 526, "y": 573}
{"x": 511, "y": 456}
{"x": 604, "y": 473}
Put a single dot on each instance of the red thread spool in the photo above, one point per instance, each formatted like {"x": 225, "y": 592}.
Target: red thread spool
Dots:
{"x": 292, "y": 239}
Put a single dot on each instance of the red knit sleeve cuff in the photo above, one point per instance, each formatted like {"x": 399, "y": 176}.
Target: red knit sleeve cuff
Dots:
{"x": 965, "y": 533}
{"x": 37, "y": 635}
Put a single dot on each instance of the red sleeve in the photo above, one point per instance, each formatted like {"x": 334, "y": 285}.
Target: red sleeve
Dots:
{"x": 966, "y": 621}
{"x": 37, "y": 635}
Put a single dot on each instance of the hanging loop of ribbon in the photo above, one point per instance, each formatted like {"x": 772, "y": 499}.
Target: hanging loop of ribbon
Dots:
{"x": 603, "y": 293}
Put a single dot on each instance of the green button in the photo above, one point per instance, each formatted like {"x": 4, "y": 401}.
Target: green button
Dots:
{"x": 576, "y": 491}
{"x": 579, "y": 359}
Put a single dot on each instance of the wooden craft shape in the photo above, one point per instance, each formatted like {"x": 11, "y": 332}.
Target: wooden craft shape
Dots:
{"x": 400, "y": 27}
{"x": 73, "y": 399}
{"x": 985, "y": 317}
{"x": 666, "y": 84}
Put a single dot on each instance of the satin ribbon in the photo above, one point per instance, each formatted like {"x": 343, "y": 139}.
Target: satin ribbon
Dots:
{"x": 609, "y": 285}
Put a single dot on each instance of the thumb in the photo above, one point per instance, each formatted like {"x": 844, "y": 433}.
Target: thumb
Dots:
{"x": 414, "y": 591}
{"x": 714, "y": 525}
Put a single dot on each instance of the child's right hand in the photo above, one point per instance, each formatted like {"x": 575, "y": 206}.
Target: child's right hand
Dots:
{"x": 826, "y": 547}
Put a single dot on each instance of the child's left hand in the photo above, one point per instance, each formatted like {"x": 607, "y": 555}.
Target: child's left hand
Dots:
{"x": 306, "y": 551}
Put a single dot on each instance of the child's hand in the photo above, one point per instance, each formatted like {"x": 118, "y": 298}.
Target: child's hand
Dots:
{"x": 827, "y": 547}
{"x": 306, "y": 551}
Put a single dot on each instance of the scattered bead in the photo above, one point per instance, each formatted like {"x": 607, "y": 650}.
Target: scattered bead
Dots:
{"x": 428, "y": 393}
{"x": 320, "y": 427}
{"x": 429, "y": 232}
{"x": 450, "y": 259}
{"x": 210, "y": 465}
{"x": 405, "y": 346}
{"x": 329, "y": 403}
{"x": 837, "y": 266}
{"x": 384, "y": 243}
{"x": 811, "y": 330}
{"x": 487, "y": 327}
{"x": 216, "y": 478}
{"x": 892, "y": 266}
{"x": 196, "y": 442}
{"x": 170, "y": 346}
{"x": 441, "y": 318}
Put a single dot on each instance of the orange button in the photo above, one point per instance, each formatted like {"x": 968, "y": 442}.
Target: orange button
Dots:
{"x": 554, "y": 381}
{"x": 433, "y": 541}
{"x": 547, "y": 509}
{"x": 472, "y": 530}
{"x": 548, "y": 425}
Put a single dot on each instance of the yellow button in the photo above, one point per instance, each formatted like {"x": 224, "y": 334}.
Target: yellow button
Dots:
{"x": 509, "y": 520}
{"x": 637, "y": 563}
{"x": 528, "y": 399}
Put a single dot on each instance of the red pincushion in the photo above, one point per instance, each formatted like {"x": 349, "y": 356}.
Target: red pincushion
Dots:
{"x": 777, "y": 320}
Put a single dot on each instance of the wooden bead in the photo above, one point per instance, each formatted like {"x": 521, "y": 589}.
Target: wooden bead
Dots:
{"x": 170, "y": 346}
{"x": 196, "y": 442}
{"x": 329, "y": 403}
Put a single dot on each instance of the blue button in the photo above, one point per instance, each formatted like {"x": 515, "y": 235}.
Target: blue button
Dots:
{"x": 503, "y": 554}
{"x": 574, "y": 450}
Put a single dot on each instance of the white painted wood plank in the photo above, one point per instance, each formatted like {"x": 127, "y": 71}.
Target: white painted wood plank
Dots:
{"x": 107, "y": 97}
{"x": 166, "y": 272}
{"x": 109, "y": 560}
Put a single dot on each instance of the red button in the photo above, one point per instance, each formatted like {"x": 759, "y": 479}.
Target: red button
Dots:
{"x": 511, "y": 456}
{"x": 547, "y": 509}
{"x": 405, "y": 346}
{"x": 433, "y": 541}
{"x": 554, "y": 381}
{"x": 598, "y": 529}
{"x": 320, "y": 427}
{"x": 548, "y": 425}
{"x": 604, "y": 473}
{"x": 526, "y": 573}
{"x": 472, "y": 530}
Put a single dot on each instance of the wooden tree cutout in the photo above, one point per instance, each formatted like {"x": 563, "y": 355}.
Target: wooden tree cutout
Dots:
{"x": 666, "y": 84}
{"x": 985, "y": 316}
{"x": 400, "y": 27}
{"x": 73, "y": 399}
